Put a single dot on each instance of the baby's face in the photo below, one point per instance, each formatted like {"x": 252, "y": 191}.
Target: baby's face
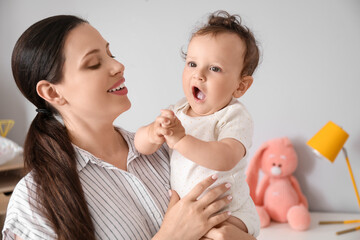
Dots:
{"x": 212, "y": 72}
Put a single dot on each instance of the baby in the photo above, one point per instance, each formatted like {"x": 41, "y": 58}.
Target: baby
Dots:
{"x": 210, "y": 131}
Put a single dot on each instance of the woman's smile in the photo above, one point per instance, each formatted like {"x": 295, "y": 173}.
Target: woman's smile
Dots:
{"x": 119, "y": 88}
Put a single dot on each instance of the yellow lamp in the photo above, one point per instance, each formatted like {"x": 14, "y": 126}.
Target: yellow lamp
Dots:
{"x": 328, "y": 142}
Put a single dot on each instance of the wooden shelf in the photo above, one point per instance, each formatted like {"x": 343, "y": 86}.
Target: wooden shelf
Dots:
{"x": 4, "y": 200}
{"x": 10, "y": 174}
{"x": 16, "y": 163}
{"x": 8, "y": 180}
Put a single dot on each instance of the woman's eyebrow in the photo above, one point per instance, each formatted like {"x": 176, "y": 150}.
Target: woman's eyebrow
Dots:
{"x": 95, "y": 51}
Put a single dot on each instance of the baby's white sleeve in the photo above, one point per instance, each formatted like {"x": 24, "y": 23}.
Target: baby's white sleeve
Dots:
{"x": 237, "y": 123}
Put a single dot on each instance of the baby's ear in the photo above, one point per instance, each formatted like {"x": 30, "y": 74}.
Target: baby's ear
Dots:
{"x": 244, "y": 84}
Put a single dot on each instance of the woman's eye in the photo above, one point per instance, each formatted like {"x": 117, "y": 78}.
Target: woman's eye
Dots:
{"x": 215, "y": 69}
{"x": 96, "y": 66}
{"x": 192, "y": 64}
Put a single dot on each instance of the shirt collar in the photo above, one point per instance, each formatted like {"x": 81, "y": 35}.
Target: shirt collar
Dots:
{"x": 83, "y": 157}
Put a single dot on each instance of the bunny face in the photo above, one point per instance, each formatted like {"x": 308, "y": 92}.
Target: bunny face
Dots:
{"x": 279, "y": 160}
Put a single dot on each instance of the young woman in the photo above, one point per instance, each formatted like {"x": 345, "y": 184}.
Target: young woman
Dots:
{"x": 86, "y": 180}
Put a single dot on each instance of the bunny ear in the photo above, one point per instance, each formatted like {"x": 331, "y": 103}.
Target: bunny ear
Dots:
{"x": 286, "y": 142}
{"x": 252, "y": 172}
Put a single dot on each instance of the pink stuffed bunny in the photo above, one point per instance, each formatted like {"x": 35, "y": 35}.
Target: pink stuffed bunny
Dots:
{"x": 278, "y": 196}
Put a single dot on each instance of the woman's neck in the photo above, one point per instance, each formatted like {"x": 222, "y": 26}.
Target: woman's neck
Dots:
{"x": 104, "y": 141}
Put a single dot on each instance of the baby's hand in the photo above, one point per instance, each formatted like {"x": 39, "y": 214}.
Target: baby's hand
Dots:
{"x": 177, "y": 131}
{"x": 157, "y": 132}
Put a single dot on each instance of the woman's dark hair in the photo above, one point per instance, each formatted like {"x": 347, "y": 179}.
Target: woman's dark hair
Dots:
{"x": 48, "y": 152}
{"x": 223, "y": 22}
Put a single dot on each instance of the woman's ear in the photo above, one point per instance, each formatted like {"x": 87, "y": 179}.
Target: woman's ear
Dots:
{"x": 49, "y": 93}
{"x": 244, "y": 84}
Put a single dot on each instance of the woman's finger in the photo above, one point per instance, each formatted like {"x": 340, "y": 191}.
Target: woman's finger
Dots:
{"x": 174, "y": 198}
{"x": 201, "y": 187}
{"x": 219, "y": 218}
{"x": 213, "y": 194}
{"x": 218, "y": 205}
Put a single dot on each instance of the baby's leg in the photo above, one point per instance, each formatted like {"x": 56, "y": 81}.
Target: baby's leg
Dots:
{"x": 238, "y": 223}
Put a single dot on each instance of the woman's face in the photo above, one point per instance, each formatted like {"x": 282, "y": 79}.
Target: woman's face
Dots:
{"x": 93, "y": 81}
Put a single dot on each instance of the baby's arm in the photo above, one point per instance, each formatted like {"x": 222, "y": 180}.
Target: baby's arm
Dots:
{"x": 220, "y": 155}
{"x": 149, "y": 138}
{"x": 238, "y": 223}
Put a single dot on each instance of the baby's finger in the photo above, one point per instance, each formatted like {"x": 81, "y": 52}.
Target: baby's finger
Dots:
{"x": 167, "y": 113}
{"x": 201, "y": 187}
{"x": 164, "y": 132}
{"x": 163, "y": 121}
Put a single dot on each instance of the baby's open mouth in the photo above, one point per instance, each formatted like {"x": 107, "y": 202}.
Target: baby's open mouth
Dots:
{"x": 198, "y": 94}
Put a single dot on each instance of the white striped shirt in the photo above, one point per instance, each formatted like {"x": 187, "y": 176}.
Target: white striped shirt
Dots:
{"x": 123, "y": 205}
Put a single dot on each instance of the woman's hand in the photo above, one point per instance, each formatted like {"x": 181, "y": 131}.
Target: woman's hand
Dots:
{"x": 227, "y": 231}
{"x": 190, "y": 218}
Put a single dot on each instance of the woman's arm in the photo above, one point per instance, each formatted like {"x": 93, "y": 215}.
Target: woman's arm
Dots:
{"x": 190, "y": 218}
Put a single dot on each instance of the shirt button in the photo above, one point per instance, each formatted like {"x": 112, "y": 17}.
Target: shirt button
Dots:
{"x": 157, "y": 215}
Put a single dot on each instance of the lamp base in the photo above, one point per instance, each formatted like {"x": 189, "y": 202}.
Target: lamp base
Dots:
{"x": 343, "y": 222}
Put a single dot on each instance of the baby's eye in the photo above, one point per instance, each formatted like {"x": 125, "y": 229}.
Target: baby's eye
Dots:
{"x": 191, "y": 64}
{"x": 215, "y": 69}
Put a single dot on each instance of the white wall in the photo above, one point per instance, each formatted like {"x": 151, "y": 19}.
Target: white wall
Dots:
{"x": 309, "y": 72}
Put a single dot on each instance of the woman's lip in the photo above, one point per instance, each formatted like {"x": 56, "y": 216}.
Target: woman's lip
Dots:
{"x": 117, "y": 83}
{"x": 122, "y": 91}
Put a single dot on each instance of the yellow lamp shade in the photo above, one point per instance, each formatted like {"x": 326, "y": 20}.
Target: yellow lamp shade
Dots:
{"x": 329, "y": 141}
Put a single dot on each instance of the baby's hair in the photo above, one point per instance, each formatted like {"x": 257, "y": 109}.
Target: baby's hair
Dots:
{"x": 222, "y": 22}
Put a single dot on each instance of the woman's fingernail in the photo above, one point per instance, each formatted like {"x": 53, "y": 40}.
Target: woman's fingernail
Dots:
{"x": 229, "y": 197}
{"x": 229, "y": 213}
{"x": 228, "y": 185}
{"x": 215, "y": 176}
{"x": 170, "y": 193}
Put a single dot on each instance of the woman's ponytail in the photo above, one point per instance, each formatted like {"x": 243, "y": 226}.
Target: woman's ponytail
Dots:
{"x": 48, "y": 152}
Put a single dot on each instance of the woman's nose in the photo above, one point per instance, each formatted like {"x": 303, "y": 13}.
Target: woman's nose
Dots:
{"x": 117, "y": 67}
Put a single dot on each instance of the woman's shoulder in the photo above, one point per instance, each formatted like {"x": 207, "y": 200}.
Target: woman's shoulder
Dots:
{"x": 22, "y": 197}
{"x": 23, "y": 216}
{"x": 24, "y": 187}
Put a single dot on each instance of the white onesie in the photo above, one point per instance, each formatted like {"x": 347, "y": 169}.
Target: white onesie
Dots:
{"x": 233, "y": 121}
